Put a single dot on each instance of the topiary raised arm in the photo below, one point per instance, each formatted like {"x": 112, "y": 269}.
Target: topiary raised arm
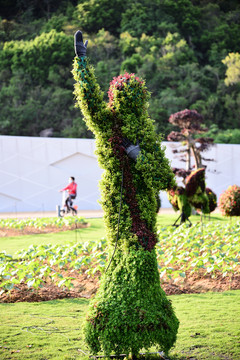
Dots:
{"x": 87, "y": 91}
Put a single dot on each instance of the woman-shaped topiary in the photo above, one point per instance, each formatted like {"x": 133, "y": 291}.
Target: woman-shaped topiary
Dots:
{"x": 130, "y": 310}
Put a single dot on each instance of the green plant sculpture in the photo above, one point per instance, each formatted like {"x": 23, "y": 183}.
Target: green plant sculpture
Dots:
{"x": 130, "y": 310}
{"x": 194, "y": 194}
{"x": 196, "y": 190}
{"x": 179, "y": 201}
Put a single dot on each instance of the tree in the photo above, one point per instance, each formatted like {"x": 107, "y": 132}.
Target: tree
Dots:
{"x": 232, "y": 61}
{"x": 194, "y": 193}
{"x": 189, "y": 122}
{"x": 177, "y": 46}
{"x": 97, "y": 14}
{"x": 39, "y": 56}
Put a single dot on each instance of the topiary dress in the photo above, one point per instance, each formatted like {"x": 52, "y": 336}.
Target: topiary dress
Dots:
{"x": 130, "y": 310}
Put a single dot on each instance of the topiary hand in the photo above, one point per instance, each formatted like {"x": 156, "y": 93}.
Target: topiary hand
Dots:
{"x": 80, "y": 48}
{"x": 131, "y": 150}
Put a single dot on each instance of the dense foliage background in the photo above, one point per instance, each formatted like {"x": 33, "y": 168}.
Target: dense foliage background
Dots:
{"x": 177, "y": 46}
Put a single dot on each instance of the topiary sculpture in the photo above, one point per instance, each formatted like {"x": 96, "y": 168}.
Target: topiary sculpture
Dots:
{"x": 179, "y": 201}
{"x": 130, "y": 310}
{"x": 195, "y": 190}
{"x": 212, "y": 199}
{"x": 194, "y": 194}
{"x": 190, "y": 124}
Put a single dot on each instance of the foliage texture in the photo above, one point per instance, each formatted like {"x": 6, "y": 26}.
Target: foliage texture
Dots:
{"x": 208, "y": 249}
{"x": 177, "y": 46}
{"x": 196, "y": 190}
{"x": 190, "y": 124}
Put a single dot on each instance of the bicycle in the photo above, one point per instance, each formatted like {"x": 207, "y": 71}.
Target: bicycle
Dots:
{"x": 63, "y": 211}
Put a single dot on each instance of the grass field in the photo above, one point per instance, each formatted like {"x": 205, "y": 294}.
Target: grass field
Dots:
{"x": 209, "y": 323}
{"x": 209, "y": 328}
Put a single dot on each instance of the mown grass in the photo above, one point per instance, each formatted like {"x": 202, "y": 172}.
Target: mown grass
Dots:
{"x": 209, "y": 328}
{"x": 47, "y": 330}
{"x": 209, "y": 323}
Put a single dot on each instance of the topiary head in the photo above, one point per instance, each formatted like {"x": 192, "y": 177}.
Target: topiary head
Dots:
{"x": 212, "y": 199}
{"x": 128, "y": 94}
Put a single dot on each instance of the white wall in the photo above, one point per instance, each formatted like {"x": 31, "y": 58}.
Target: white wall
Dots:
{"x": 220, "y": 173}
{"x": 32, "y": 170}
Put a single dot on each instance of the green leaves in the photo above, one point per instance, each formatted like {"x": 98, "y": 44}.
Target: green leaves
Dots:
{"x": 212, "y": 250}
{"x": 202, "y": 249}
{"x": 36, "y": 57}
{"x": 48, "y": 263}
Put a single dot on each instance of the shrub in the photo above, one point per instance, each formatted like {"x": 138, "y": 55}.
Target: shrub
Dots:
{"x": 229, "y": 201}
{"x": 194, "y": 181}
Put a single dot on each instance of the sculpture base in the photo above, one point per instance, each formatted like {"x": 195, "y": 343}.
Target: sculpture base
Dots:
{"x": 161, "y": 356}
{"x": 130, "y": 311}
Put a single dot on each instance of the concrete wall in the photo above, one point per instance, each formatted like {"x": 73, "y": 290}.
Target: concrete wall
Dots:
{"x": 220, "y": 173}
{"x": 33, "y": 170}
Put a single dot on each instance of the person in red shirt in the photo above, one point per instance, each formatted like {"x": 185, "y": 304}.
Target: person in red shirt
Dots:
{"x": 72, "y": 194}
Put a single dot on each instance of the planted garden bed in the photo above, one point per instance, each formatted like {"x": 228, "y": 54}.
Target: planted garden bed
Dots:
{"x": 15, "y": 227}
{"x": 190, "y": 260}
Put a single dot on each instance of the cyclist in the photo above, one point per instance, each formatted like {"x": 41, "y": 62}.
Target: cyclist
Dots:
{"x": 72, "y": 194}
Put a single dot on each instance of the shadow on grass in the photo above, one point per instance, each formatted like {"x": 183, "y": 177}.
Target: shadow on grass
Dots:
{"x": 157, "y": 356}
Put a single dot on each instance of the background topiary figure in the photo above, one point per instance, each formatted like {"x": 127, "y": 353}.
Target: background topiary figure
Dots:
{"x": 212, "y": 199}
{"x": 229, "y": 201}
{"x": 179, "y": 201}
{"x": 130, "y": 310}
{"x": 196, "y": 190}
{"x": 194, "y": 194}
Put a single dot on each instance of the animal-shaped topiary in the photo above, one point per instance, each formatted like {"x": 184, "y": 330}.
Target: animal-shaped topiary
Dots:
{"x": 196, "y": 190}
{"x": 194, "y": 194}
{"x": 179, "y": 201}
{"x": 130, "y": 310}
{"x": 212, "y": 199}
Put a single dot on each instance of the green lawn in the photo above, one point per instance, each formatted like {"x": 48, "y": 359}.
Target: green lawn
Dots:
{"x": 209, "y": 328}
{"x": 209, "y": 323}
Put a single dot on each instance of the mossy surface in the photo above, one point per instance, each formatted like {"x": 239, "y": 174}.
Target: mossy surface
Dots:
{"x": 131, "y": 310}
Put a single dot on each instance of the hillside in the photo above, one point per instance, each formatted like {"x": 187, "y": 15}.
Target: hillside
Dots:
{"x": 177, "y": 46}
